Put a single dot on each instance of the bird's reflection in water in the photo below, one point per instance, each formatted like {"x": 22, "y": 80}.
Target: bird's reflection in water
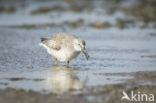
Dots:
{"x": 61, "y": 79}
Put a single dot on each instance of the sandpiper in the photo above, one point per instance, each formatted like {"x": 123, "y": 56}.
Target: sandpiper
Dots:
{"x": 64, "y": 47}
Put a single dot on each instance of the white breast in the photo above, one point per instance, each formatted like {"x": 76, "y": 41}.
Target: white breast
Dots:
{"x": 64, "y": 54}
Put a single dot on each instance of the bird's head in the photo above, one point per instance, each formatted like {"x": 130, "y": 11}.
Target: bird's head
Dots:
{"x": 79, "y": 45}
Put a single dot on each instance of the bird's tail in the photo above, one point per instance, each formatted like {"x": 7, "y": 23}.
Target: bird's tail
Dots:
{"x": 43, "y": 39}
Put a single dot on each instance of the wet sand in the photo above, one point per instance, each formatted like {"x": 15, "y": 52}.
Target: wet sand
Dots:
{"x": 120, "y": 39}
{"x": 99, "y": 94}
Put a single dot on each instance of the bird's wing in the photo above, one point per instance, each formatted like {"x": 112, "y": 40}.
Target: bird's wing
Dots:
{"x": 63, "y": 40}
{"x": 59, "y": 40}
{"x": 52, "y": 44}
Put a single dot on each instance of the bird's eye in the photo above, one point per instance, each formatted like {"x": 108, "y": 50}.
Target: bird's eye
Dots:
{"x": 83, "y": 43}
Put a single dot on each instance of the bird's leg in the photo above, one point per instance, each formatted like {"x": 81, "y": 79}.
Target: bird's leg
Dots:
{"x": 67, "y": 63}
{"x": 56, "y": 61}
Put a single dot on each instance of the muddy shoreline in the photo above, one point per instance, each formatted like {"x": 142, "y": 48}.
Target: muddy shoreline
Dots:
{"x": 111, "y": 93}
{"x": 120, "y": 38}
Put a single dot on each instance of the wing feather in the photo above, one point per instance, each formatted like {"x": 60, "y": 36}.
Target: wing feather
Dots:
{"x": 52, "y": 44}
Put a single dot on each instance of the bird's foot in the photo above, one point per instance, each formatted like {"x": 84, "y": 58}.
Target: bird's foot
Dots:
{"x": 56, "y": 62}
{"x": 67, "y": 63}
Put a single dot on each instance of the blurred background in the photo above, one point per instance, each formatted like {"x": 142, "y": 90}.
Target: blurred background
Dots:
{"x": 120, "y": 38}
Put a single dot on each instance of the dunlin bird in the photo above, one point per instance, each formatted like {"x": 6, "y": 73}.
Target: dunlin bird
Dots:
{"x": 64, "y": 47}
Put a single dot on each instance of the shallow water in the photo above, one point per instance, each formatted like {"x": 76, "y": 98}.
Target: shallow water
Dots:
{"x": 111, "y": 50}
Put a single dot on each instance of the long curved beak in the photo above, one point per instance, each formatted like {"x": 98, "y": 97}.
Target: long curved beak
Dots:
{"x": 85, "y": 53}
